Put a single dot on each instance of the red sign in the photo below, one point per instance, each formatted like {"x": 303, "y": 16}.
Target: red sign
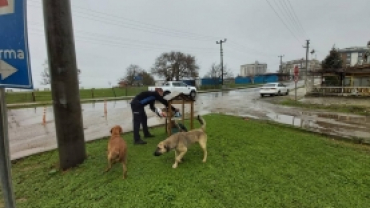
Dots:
{"x": 3, "y": 3}
{"x": 296, "y": 71}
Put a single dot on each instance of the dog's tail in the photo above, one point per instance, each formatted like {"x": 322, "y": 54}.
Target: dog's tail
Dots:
{"x": 202, "y": 122}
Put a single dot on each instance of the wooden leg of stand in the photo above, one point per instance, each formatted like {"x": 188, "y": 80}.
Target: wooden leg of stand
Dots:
{"x": 183, "y": 112}
{"x": 192, "y": 115}
{"x": 169, "y": 119}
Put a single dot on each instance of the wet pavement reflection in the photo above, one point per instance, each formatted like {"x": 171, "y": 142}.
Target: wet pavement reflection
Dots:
{"x": 29, "y": 134}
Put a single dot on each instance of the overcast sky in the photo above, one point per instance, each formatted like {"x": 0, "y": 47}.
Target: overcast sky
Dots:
{"x": 112, "y": 34}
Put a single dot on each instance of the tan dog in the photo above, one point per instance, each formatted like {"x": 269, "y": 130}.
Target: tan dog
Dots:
{"x": 182, "y": 140}
{"x": 117, "y": 150}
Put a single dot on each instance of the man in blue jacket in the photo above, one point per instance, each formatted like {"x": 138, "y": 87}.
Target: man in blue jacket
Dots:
{"x": 139, "y": 115}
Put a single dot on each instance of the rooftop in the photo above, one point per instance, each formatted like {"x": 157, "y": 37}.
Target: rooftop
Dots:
{"x": 354, "y": 49}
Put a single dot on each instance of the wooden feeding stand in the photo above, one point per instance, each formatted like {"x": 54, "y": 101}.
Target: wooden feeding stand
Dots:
{"x": 179, "y": 99}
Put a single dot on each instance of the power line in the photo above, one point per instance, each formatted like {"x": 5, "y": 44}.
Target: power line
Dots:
{"x": 282, "y": 20}
{"x": 299, "y": 23}
{"x": 110, "y": 38}
{"x": 135, "y": 27}
{"x": 106, "y": 41}
{"x": 120, "y": 23}
{"x": 243, "y": 47}
{"x": 285, "y": 16}
{"x": 291, "y": 17}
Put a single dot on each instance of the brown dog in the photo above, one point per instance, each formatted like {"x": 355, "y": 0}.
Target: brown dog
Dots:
{"x": 117, "y": 150}
{"x": 182, "y": 140}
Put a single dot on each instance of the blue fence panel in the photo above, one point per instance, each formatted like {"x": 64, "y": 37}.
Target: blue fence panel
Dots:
{"x": 259, "y": 79}
{"x": 271, "y": 78}
{"x": 242, "y": 80}
{"x": 189, "y": 82}
{"x": 208, "y": 81}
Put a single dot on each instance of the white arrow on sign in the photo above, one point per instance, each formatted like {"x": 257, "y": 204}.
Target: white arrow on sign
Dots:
{"x": 6, "y": 70}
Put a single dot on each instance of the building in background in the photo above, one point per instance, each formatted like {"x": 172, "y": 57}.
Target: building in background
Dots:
{"x": 353, "y": 56}
{"x": 288, "y": 66}
{"x": 253, "y": 69}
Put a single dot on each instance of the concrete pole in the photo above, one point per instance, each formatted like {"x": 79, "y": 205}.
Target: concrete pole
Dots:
{"x": 222, "y": 61}
{"x": 306, "y": 73}
{"x": 64, "y": 82}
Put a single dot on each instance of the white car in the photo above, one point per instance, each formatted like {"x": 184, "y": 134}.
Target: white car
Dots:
{"x": 176, "y": 86}
{"x": 274, "y": 89}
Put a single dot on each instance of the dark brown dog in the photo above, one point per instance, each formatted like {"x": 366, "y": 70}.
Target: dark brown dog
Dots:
{"x": 117, "y": 150}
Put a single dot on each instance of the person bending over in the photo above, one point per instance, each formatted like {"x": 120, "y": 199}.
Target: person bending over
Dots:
{"x": 138, "y": 113}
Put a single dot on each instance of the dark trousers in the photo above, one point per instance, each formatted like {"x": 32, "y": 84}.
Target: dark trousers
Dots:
{"x": 139, "y": 117}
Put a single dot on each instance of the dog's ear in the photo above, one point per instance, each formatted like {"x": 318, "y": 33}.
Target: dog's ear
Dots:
{"x": 167, "y": 148}
{"x": 120, "y": 130}
{"x": 111, "y": 130}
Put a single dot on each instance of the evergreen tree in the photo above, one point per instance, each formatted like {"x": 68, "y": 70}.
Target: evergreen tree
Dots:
{"x": 332, "y": 61}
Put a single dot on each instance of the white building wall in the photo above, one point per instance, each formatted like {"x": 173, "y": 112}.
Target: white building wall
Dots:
{"x": 354, "y": 58}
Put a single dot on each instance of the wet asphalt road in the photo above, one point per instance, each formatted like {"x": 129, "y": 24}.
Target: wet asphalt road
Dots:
{"x": 28, "y": 135}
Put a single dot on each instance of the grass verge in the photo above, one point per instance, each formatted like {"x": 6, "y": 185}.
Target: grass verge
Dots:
{"x": 250, "y": 164}
{"x": 355, "y": 109}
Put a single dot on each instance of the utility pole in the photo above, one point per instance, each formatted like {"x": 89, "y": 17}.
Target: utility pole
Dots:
{"x": 281, "y": 63}
{"x": 307, "y": 47}
{"x": 64, "y": 82}
{"x": 5, "y": 172}
{"x": 222, "y": 61}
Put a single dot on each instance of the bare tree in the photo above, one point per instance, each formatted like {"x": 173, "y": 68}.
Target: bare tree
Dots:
{"x": 132, "y": 72}
{"x": 148, "y": 79}
{"x": 45, "y": 75}
{"x": 215, "y": 73}
{"x": 175, "y": 65}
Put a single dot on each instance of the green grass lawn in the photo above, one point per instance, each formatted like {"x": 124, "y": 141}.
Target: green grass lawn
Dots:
{"x": 355, "y": 109}
{"x": 250, "y": 164}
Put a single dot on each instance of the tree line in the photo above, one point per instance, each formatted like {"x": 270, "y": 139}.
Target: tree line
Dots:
{"x": 168, "y": 66}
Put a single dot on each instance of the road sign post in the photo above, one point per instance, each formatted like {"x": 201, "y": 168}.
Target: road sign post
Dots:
{"x": 296, "y": 78}
{"x": 5, "y": 165}
{"x": 15, "y": 72}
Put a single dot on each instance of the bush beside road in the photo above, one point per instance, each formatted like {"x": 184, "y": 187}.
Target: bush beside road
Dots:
{"x": 250, "y": 164}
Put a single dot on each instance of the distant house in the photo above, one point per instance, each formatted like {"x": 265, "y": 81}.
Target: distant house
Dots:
{"x": 288, "y": 66}
{"x": 353, "y": 56}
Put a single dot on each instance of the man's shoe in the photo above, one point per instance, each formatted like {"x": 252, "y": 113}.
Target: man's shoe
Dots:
{"x": 149, "y": 136}
{"x": 140, "y": 142}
